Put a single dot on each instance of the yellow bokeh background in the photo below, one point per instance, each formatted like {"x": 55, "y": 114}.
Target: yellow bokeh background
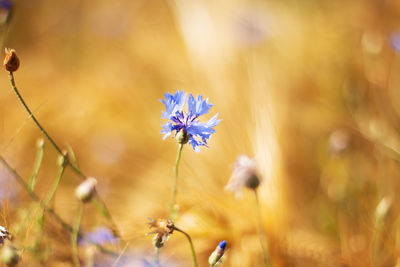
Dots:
{"x": 308, "y": 88}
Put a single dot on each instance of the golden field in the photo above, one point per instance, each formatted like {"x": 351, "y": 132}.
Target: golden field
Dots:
{"x": 308, "y": 88}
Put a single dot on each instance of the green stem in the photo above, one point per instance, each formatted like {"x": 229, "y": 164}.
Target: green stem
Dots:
{"x": 75, "y": 234}
{"x": 74, "y": 167}
{"x": 37, "y": 165}
{"x": 173, "y": 209}
{"x": 260, "y": 230}
{"x": 55, "y": 186}
{"x": 157, "y": 257}
{"x": 191, "y": 245}
{"x": 51, "y": 211}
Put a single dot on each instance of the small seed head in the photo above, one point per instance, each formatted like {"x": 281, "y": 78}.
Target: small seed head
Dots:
{"x": 85, "y": 191}
{"x": 11, "y": 61}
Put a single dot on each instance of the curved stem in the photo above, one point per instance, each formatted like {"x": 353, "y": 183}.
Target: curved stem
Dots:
{"x": 260, "y": 229}
{"x": 173, "y": 210}
{"x": 75, "y": 233}
{"x": 191, "y": 245}
{"x": 104, "y": 209}
{"x": 12, "y": 81}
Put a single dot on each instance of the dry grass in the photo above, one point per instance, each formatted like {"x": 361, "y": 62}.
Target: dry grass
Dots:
{"x": 283, "y": 75}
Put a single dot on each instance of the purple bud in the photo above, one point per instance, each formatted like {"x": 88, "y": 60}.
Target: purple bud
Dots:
{"x": 221, "y": 248}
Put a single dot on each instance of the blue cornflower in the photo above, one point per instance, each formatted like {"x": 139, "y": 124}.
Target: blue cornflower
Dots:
{"x": 197, "y": 133}
{"x": 101, "y": 236}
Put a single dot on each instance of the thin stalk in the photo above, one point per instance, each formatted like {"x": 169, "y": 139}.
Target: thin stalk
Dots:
{"x": 55, "y": 186}
{"x": 75, "y": 233}
{"x": 37, "y": 165}
{"x": 12, "y": 81}
{"x": 173, "y": 209}
{"x": 157, "y": 257}
{"x": 191, "y": 245}
{"x": 74, "y": 167}
{"x": 260, "y": 230}
{"x": 49, "y": 210}
{"x": 120, "y": 256}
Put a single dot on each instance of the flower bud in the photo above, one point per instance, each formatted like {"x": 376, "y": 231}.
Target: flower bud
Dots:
{"x": 182, "y": 137}
{"x": 86, "y": 189}
{"x": 62, "y": 159}
{"x": 217, "y": 253}
{"x": 382, "y": 209}
{"x": 11, "y": 61}
{"x": 40, "y": 143}
{"x": 9, "y": 256}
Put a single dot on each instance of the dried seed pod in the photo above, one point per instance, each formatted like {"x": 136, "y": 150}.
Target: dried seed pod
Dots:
{"x": 11, "y": 61}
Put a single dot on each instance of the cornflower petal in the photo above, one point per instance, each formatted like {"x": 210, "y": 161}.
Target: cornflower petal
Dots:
{"x": 166, "y": 129}
{"x": 195, "y": 144}
{"x": 213, "y": 121}
{"x": 173, "y": 103}
{"x": 198, "y": 106}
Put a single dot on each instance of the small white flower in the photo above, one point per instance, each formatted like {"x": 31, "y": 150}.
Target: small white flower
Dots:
{"x": 245, "y": 174}
{"x": 86, "y": 189}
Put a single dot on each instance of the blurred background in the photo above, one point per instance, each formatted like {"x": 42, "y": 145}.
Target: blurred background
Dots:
{"x": 309, "y": 88}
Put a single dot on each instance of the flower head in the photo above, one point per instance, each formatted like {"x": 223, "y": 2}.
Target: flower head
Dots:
{"x": 164, "y": 228}
{"x": 191, "y": 130}
{"x": 245, "y": 174}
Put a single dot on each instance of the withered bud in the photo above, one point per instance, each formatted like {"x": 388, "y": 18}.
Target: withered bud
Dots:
{"x": 11, "y": 61}
{"x": 163, "y": 229}
{"x": 86, "y": 189}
